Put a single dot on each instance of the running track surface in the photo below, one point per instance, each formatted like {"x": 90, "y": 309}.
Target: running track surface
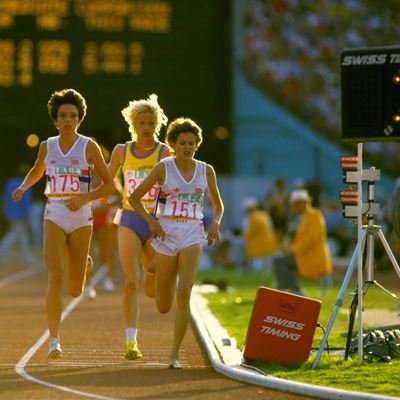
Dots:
{"x": 92, "y": 337}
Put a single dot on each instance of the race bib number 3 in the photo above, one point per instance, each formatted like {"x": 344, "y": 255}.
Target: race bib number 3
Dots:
{"x": 132, "y": 182}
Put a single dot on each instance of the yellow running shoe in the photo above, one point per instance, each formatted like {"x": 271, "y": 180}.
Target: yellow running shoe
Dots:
{"x": 131, "y": 351}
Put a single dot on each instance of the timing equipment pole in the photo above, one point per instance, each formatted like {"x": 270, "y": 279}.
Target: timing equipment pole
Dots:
{"x": 353, "y": 207}
{"x": 339, "y": 301}
{"x": 360, "y": 253}
{"x": 363, "y": 240}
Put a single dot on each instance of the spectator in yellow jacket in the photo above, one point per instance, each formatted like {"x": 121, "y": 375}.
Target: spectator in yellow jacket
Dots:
{"x": 259, "y": 236}
{"x": 305, "y": 249}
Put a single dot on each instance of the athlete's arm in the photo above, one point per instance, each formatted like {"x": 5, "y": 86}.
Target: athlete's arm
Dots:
{"x": 217, "y": 206}
{"x": 166, "y": 152}
{"x": 156, "y": 175}
{"x": 35, "y": 173}
{"x": 95, "y": 158}
{"x": 116, "y": 159}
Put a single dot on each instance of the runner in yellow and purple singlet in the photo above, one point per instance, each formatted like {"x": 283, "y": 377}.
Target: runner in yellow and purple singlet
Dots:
{"x": 136, "y": 159}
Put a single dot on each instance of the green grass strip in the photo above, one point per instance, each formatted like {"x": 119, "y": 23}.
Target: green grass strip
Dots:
{"x": 233, "y": 306}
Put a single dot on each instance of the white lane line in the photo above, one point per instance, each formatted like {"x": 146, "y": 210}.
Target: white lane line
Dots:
{"x": 20, "y": 366}
{"x": 25, "y": 273}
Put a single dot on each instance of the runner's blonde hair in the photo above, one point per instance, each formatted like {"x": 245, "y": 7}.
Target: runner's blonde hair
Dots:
{"x": 136, "y": 107}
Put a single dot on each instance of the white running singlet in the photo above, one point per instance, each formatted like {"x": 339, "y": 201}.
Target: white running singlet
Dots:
{"x": 179, "y": 198}
{"x": 67, "y": 174}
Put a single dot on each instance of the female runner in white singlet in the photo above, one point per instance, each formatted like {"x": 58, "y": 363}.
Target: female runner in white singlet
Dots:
{"x": 178, "y": 232}
{"x": 68, "y": 160}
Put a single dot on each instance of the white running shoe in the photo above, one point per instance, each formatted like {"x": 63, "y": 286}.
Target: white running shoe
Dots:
{"x": 108, "y": 284}
{"x": 174, "y": 364}
{"x": 91, "y": 293}
{"x": 89, "y": 265}
{"x": 54, "y": 349}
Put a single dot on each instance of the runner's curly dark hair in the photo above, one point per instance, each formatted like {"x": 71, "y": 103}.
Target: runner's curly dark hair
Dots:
{"x": 66, "y": 96}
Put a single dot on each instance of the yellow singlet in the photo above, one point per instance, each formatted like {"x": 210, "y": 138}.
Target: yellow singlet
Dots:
{"x": 135, "y": 168}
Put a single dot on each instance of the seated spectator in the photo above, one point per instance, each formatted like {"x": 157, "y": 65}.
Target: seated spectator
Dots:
{"x": 236, "y": 249}
{"x": 337, "y": 229}
{"x": 305, "y": 249}
{"x": 220, "y": 256}
{"x": 259, "y": 237}
{"x": 276, "y": 204}
{"x": 229, "y": 254}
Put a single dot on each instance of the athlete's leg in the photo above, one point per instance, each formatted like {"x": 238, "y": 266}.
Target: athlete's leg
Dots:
{"x": 103, "y": 244}
{"x": 113, "y": 250}
{"x": 54, "y": 240}
{"x": 149, "y": 268}
{"x": 130, "y": 249}
{"x": 77, "y": 251}
{"x": 166, "y": 268}
{"x": 188, "y": 262}
{"x": 105, "y": 254}
{"x": 108, "y": 283}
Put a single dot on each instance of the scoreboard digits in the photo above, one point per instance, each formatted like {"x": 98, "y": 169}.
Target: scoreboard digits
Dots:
{"x": 21, "y": 60}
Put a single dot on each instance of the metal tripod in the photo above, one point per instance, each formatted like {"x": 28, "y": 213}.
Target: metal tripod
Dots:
{"x": 366, "y": 238}
{"x": 368, "y": 234}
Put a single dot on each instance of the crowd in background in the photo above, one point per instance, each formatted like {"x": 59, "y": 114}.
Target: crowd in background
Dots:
{"x": 266, "y": 219}
{"x": 253, "y": 248}
{"x": 291, "y": 50}
{"x": 23, "y": 220}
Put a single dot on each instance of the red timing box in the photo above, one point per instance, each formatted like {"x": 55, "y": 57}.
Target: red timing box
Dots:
{"x": 349, "y": 163}
{"x": 349, "y": 196}
{"x": 281, "y": 327}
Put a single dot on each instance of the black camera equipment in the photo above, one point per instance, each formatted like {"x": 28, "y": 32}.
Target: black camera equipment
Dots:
{"x": 370, "y": 93}
{"x": 370, "y": 112}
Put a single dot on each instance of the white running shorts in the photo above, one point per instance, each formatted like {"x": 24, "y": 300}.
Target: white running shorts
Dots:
{"x": 57, "y": 212}
{"x": 180, "y": 233}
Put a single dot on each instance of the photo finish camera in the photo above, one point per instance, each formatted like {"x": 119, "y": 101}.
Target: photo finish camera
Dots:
{"x": 370, "y": 85}
{"x": 370, "y": 112}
